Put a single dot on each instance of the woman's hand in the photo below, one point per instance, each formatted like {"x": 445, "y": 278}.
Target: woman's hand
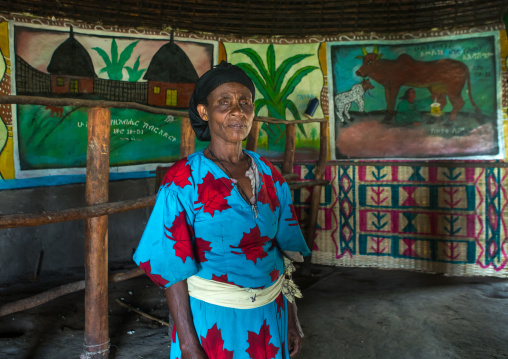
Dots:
{"x": 177, "y": 296}
{"x": 295, "y": 335}
{"x": 194, "y": 352}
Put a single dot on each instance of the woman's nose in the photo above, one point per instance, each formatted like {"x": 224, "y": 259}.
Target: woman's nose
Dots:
{"x": 236, "y": 108}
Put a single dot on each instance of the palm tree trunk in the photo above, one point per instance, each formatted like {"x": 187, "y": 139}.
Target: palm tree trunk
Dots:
{"x": 275, "y": 132}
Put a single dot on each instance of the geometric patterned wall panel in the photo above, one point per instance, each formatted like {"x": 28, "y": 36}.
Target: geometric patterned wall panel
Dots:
{"x": 433, "y": 219}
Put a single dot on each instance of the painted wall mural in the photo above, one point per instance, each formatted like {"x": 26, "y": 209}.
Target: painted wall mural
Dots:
{"x": 286, "y": 78}
{"x": 435, "y": 218}
{"x": 6, "y": 133}
{"x": 158, "y": 71}
{"x": 424, "y": 98}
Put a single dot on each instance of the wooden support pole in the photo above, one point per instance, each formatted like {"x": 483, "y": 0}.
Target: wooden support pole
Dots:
{"x": 323, "y": 150}
{"x": 186, "y": 138}
{"x": 316, "y": 191}
{"x": 96, "y": 344}
{"x": 252, "y": 138}
{"x": 289, "y": 150}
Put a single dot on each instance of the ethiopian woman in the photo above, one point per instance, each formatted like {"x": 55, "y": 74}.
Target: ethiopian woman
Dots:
{"x": 220, "y": 234}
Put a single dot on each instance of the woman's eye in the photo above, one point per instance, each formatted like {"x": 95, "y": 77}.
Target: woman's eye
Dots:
{"x": 223, "y": 102}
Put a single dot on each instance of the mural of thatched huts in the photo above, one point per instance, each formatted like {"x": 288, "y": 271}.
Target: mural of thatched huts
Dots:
{"x": 71, "y": 68}
{"x": 171, "y": 77}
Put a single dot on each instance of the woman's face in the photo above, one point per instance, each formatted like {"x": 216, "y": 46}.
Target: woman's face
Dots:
{"x": 229, "y": 113}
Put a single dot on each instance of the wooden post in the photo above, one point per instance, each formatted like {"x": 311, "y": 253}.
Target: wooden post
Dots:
{"x": 316, "y": 192}
{"x": 96, "y": 236}
{"x": 252, "y": 138}
{"x": 186, "y": 138}
{"x": 289, "y": 150}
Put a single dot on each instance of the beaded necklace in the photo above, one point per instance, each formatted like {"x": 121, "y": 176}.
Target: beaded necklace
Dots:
{"x": 254, "y": 205}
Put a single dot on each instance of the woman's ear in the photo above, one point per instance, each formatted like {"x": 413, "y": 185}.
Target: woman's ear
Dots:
{"x": 203, "y": 113}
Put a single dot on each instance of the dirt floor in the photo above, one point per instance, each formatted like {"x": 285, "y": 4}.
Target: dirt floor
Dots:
{"x": 346, "y": 313}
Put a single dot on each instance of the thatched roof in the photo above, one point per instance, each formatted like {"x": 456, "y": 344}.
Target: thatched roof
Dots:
{"x": 71, "y": 59}
{"x": 171, "y": 64}
{"x": 285, "y": 18}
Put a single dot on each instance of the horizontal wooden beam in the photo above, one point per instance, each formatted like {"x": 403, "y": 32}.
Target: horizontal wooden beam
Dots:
{"x": 287, "y": 122}
{"x": 44, "y": 297}
{"x": 290, "y": 176}
{"x": 75, "y": 102}
{"x": 303, "y": 184}
{"x": 72, "y": 214}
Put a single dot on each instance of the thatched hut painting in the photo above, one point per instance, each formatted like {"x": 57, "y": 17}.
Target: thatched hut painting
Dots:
{"x": 151, "y": 70}
{"x": 71, "y": 68}
{"x": 171, "y": 77}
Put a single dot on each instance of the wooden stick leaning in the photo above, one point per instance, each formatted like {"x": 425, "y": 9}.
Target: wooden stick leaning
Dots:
{"x": 141, "y": 313}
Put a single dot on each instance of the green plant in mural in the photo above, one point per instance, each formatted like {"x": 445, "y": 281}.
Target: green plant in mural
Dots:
{"x": 269, "y": 80}
{"x": 134, "y": 72}
{"x": 115, "y": 64}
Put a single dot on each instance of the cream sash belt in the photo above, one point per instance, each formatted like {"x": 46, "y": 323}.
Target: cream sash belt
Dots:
{"x": 232, "y": 296}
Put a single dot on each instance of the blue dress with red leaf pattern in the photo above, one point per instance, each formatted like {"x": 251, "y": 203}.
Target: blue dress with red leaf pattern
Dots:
{"x": 201, "y": 225}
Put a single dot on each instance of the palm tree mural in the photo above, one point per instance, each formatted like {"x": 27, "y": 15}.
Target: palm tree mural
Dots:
{"x": 135, "y": 72}
{"x": 115, "y": 64}
{"x": 269, "y": 80}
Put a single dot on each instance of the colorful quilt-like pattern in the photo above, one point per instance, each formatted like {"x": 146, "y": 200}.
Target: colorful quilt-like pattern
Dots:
{"x": 434, "y": 219}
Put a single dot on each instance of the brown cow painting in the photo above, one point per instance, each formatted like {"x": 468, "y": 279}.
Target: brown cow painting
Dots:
{"x": 445, "y": 77}
{"x": 433, "y": 97}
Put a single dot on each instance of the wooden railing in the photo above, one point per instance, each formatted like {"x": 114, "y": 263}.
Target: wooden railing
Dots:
{"x": 97, "y": 209}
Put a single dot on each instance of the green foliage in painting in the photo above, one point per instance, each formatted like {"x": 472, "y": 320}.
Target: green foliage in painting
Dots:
{"x": 269, "y": 80}
{"x": 134, "y": 72}
{"x": 114, "y": 63}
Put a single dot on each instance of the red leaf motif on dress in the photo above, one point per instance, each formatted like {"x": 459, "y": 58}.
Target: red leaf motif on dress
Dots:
{"x": 212, "y": 193}
{"x": 173, "y": 334}
{"x": 268, "y": 193}
{"x": 294, "y": 218}
{"x": 202, "y": 246}
{"x": 178, "y": 174}
{"x": 156, "y": 278}
{"x": 277, "y": 177}
{"x": 280, "y": 304}
{"x": 274, "y": 275}
{"x": 259, "y": 344}
{"x": 223, "y": 279}
{"x": 252, "y": 245}
{"x": 213, "y": 344}
{"x": 181, "y": 234}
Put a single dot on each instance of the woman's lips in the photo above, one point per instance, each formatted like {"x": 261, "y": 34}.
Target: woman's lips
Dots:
{"x": 236, "y": 125}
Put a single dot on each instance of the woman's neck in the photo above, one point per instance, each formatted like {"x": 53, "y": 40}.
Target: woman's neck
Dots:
{"x": 227, "y": 152}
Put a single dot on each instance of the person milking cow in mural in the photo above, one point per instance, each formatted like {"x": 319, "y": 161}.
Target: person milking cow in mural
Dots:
{"x": 221, "y": 235}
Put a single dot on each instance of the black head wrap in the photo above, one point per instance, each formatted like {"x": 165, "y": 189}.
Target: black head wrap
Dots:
{"x": 219, "y": 75}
